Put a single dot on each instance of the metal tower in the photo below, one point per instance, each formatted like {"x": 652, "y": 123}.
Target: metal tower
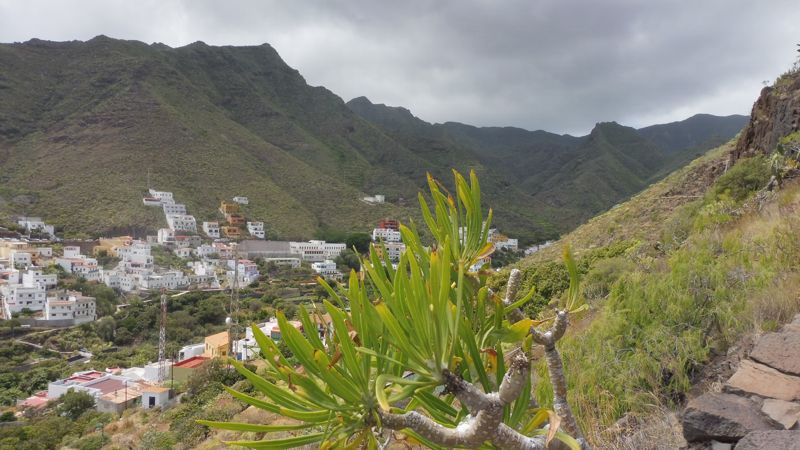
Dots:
{"x": 233, "y": 324}
{"x": 162, "y": 340}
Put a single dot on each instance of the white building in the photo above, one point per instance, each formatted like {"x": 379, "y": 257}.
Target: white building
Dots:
{"x": 247, "y": 272}
{"x": 174, "y": 208}
{"x": 205, "y": 250}
{"x": 182, "y": 222}
{"x": 36, "y": 275}
{"x": 256, "y": 229}
{"x": 19, "y": 258}
{"x": 18, "y": 297}
{"x": 377, "y": 198}
{"x": 74, "y": 262}
{"x": 166, "y": 236}
{"x": 327, "y": 269}
{"x": 184, "y": 252}
{"x": 316, "y": 250}
{"x": 192, "y": 350}
{"x": 136, "y": 256}
{"x": 72, "y": 305}
{"x": 162, "y": 196}
{"x": 385, "y": 235}
{"x": 393, "y": 249}
{"x": 211, "y": 229}
{"x": 241, "y": 200}
{"x": 172, "y": 279}
{"x": 35, "y": 224}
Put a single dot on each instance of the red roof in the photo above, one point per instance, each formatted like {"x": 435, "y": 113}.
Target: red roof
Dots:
{"x": 88, "y": 376}
{"x": 192, "y": 363}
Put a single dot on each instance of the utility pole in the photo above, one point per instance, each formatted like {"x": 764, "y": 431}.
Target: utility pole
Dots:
{"x": 162, "y": 340}
{"x": 233, "y": 324}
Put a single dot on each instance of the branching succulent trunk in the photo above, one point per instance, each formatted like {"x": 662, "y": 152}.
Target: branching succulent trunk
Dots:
{"x": 485, "y": 422}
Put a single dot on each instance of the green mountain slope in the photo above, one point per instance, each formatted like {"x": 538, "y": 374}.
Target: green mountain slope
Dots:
{"x": 82, "y": 124}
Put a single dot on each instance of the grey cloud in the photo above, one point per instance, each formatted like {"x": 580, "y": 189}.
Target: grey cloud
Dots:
{"x": 545, "y": 64}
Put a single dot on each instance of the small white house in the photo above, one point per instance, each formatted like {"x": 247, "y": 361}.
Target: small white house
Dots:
{"x": 327, "y": 269}
{"x": 211, "y": 229}
{"x": 375, "y": 199}
{"x": 156, "y": 397}
{"x": 174, "y": 208}
{"x": 241, "y": 200}
{"x": 182, "y": 222}
{"x": 256, "y": 229}
{"x": 385, "y": 235}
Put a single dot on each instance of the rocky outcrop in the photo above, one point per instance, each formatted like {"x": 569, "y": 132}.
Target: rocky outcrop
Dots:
{"x": 723, "y": 417}
{"x": 770, "y": 440}
{"x": 775, "y": 114}
{"x": 762, "y": 395}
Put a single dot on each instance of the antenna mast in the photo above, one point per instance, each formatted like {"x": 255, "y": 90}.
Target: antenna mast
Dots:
{"x": 162, "y": 340}
{"x": 233, "y": 330}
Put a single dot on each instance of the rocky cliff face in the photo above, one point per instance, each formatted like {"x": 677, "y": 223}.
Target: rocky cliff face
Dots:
{"x": 775, "y": 114}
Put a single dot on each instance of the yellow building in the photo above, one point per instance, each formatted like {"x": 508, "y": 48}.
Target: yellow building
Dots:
{"x": 231, "y": 232}
{"x": 217, "y": 345}
{"x": 228, "y": 208}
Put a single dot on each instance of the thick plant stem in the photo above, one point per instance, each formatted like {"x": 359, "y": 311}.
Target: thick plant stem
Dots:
{"x": 555, "y": 369}
{"x": 509, "y": 439}
{"x": 471, "y": 433}
{"x": 512, "y": 288}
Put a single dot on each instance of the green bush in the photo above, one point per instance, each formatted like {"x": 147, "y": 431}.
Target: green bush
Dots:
{"x": 741, "y": 180}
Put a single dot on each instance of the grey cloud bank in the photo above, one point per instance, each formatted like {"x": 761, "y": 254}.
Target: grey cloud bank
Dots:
{"x": 555, "y": 65}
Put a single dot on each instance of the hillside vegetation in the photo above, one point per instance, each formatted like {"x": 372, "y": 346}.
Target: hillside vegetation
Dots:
{"x": 82, "y": 124}
{"x": 676, "y": 276}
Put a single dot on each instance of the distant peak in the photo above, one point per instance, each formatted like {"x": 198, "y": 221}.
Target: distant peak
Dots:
{"x": 360, "y": 101}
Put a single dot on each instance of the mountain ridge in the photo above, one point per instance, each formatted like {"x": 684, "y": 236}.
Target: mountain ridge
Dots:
{"x": 81, "y": 122}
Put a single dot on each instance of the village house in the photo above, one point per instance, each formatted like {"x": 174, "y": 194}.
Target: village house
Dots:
{"x": 162, "y": 196}
{"x": 393, "y": 250}
{"x": 35, "y": 224}
{"x": 316, "y": 251}
{"x": 228, "y": 208}
{"x": 157, "y": 397}
{"x": 19, "y": 297}
{"x": 385, "y": 235}
{"x": 191, "y": 350}
{"x": 211, "y": 229}
{"x": 375, "y": 199}
{"x": 174, "y": 208}
{"x": 247, "y": 271}
{"x": 241, "y": 200}
{"x": 136, "y": 256}
{"x": 216, "y": 345}
{"x": 166, "y": 236}
{"x": 112, "y": 393}
{"x": 327, "y": 269}
{"x": 20, "y": 258}
{"x": 256, "y": 229}
{"x": 187, "y": 241}
{"x": 235, "y": 219}
{"x": 231, "y": 231}
{"x": 36, "y": 275}
{"x": 70, "y": 305}
{"x": 186, "y": 368}
{"x": 182, "y": 222}
{"x": 184, "y": 252}
{"x": 204, "y": 250}
{"x": 74, "y": 262}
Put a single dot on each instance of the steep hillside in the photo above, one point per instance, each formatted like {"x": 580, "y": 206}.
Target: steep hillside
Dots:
{"x": 82, "y": 124}
{"x": 573, "y": 177}
{"x": 679, "y": 278}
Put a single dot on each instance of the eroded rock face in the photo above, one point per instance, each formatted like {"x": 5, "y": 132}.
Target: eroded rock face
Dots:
{"x": 775, "y": 114}
{"x": 770, "y": 440}
{"x": 723, "y": 417}
{"x": 780, "y": 351}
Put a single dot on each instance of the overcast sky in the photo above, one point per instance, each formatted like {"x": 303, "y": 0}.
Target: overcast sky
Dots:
{"x": 558, "y": 65}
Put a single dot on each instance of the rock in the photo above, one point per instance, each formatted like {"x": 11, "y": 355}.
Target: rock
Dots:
{"x": 780, "y": 351}
{"x": 723, "y": 417}
{"x": 716, "y": 445}
{"x": 783, "y": 412}
{"x": 755, "y": 378}
{"x": 770, "y": 440}
{"x": 793, "y": 326}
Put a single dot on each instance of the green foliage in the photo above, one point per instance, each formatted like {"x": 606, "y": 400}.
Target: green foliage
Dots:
{"x": 429, "y": 316}
{"x": 157, "y": 440}
{"x": 741, "y": 180}
{"x": 74, "y": 403}
{"x": 348, "y": 260}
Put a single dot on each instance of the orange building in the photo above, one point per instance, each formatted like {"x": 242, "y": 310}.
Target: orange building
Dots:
{"x": 234, "y": 219}
{"x": 228, "y": 208}
{"x": 230, "y": 232}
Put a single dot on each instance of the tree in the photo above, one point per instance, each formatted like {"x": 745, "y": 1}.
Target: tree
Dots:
{"x": 348, "y": 258}
{"x": 359, "y": 241}
{"x": 425, "y": 354}
{"x": 74, "y": 403}
{"x": 105, "y": 328}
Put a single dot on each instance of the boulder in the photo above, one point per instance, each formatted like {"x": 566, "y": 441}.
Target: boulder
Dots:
{"x": 783, "y": 412}
{"x": 780, "y": 351}
{"x": 770, "y": 440}
{"x": 755, "y": 378}
{"x": 723, "y": 417}
{"x": 716, "y": 445}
